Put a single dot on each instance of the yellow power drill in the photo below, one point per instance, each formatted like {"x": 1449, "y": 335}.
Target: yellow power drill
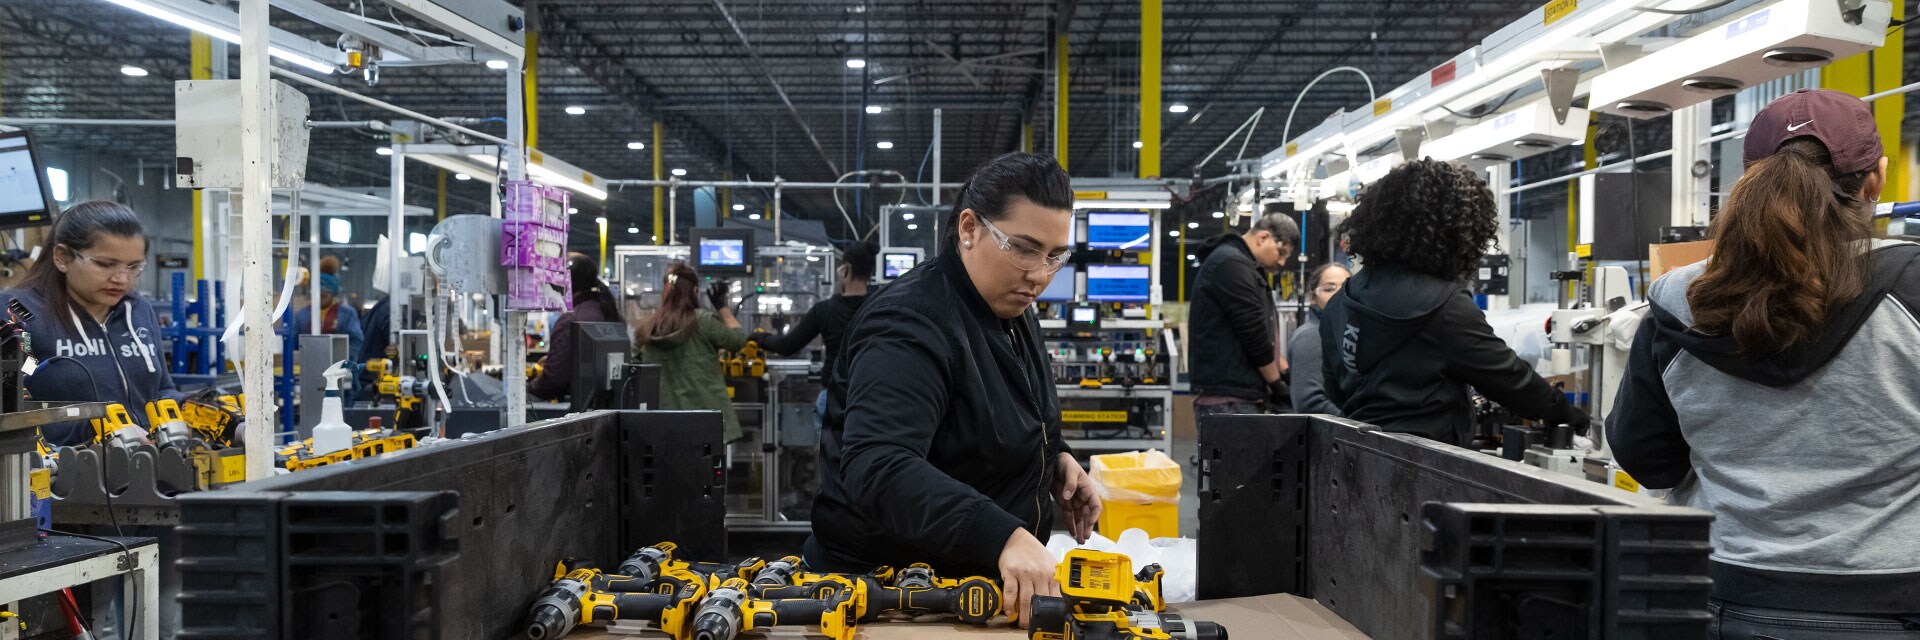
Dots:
{"x": 656, "y": 564}
{"x": 168, "y": 428}
{"x": 730, "y": 611}
{"x": 585, "y": 596}
{"x": 1100, "y": 597}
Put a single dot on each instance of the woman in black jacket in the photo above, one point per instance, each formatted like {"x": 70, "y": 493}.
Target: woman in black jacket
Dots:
{"x": 592, "y": 302}
{"x": 942, "y": 439}
{"x": 1403, "y": 341}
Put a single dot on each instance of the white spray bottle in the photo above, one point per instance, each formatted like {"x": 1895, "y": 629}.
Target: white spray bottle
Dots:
{"x": 332, "y": 433}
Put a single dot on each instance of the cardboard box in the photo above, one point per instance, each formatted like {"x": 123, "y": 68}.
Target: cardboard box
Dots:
{"x": 1271, "y": 617}
{"x": 1662, "y": 258}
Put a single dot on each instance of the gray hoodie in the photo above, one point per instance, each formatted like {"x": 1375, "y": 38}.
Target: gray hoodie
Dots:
{"x": 80, "y": 359}
{"x": 1809, "y": 459}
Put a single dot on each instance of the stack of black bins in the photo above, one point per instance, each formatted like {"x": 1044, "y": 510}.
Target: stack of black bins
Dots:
{"x": 1408, "y": 538}
{"x": 451, "y": 540}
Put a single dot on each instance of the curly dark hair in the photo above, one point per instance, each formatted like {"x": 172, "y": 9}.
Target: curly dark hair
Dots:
{"x": 1425, "y": 216}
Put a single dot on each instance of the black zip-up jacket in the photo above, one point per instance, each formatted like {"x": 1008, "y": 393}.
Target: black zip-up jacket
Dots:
{"x": 941, "y": 432}
{"x": 828, "y": 320}
{"x": 1232, "y": 318}
{"x": 1400, "y": 349}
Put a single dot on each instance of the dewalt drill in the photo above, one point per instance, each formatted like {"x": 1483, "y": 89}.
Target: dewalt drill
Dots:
{"x": 1101, "y": 599}
{"x": 657, "y": 563}
{"x": 730, "y": 611}
{"x": 585, "y": 596}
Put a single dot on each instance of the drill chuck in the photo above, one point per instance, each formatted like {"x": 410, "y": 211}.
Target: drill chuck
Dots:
{"x": 918, "y": 576}
{"x": 548, "y": 622}
{"x": 777, "y": 573}
{"x": 645, "y": 564}
{"x": 557, "y": 610}
{"x": 719, "y": 617}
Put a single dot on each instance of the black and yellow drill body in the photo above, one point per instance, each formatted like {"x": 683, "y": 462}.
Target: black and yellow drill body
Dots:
{"x": 731, "y": 610}
{"x": 1102, "y": 599}
{"x": 587, "y": 596}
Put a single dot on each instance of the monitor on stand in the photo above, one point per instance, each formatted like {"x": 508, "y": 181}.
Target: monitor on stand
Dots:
{"x": 600, "y": 361}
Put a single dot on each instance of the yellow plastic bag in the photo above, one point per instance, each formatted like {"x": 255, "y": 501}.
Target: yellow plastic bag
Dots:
{"x": 1147, "y": 477}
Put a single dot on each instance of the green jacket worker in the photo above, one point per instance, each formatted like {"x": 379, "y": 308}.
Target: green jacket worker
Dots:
{"x": 1771, "y": 386}
{"x": 686, "y": 342}
{"x": 1403, "y": 340}
{"x": 942, "y": 438}
{"x": 93, "y": 335}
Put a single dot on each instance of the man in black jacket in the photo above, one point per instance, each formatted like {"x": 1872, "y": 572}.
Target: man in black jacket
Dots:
{"x": 1234, "y": 368}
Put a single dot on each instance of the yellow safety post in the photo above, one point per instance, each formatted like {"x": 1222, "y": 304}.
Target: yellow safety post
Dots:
{"x": 1061, "y": 81}
{"x": 199, "y": 67}
{"x": 1150, "y": 90}
{"x": 659, "y": 193}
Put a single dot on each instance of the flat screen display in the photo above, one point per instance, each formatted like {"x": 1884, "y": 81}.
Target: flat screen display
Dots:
{"x": 1111, "y": 283}
{"x": 723, "y": 252}
{"x": 1106, "y": 230}
{"x": 894, "y": 265}
{"x": 1061, "y": 289}
{"x": 24, "y": 197}
{"x": 1084, "y": 315}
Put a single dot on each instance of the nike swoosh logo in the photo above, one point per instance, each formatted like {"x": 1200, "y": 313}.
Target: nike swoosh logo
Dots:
{"x": 1800, "y": 126}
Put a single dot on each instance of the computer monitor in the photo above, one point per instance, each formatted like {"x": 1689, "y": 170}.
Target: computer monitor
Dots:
{"x": 897, "y": 261}
{"x": 1118, "y": 230}
{"x": 1083, "y": 316}
{"x": 722, "y": 252}
{"x": 599, "y": 364}
{"x": 1117, "y": 283}
{"x": 25, "y": 198}
{"x": 1061, "y": 289}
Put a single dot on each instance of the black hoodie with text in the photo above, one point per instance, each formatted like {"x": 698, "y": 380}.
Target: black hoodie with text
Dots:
{"x": 79, "y": 359}
{"x": 1400, "y": 350}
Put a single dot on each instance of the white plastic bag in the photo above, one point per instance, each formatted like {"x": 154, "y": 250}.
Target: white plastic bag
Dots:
{"x": 1176, "y": 556}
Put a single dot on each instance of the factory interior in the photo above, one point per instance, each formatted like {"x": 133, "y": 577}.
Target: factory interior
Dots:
{"x": 888, "y": 319}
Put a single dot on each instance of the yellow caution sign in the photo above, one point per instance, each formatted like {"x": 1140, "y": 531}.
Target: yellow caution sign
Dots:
{"x": 1089, "y": 195}
{"x": 1382, "y": 106}
{"x": 1093, "y": 416}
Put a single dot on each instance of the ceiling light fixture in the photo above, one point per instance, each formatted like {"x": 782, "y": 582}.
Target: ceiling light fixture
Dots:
{"x": 633, "y": 229}
{"x": 573, "y": 210}
{"x": 1193, "y": 225}
{"x": 576, "y": 110}
{"x": 754, "y": 217}
{"x": 856, "y": 63}
{"x": 130, "y": 70}
{"x": 462, "y": 177}
{"x": 636, "y": 146}
{"x": 883, "y": 145}
{"x": 875, "y": 109}
{"x": 739, "y": 207}
{"x": 232, "y": 37}
{"x": 1138, "y": 144}
{"x": 385, "y": 151}
{"x": 679, "y": 172}
{"x": 1178, "y": 108}
{"x": 1219, "y": 214}
{"x": 497, "y": 65}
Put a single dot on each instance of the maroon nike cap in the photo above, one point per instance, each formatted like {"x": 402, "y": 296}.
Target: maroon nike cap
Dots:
{"x": 1841, "y": 122}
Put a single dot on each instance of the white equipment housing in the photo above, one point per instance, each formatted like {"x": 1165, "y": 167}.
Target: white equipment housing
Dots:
{"x": 1524, "y": 132}
{"x": 1766, "y": 44}
{"x": 207, "y": 134}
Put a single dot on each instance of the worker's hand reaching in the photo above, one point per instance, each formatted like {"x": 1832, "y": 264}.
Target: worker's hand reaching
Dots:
{"x": 1078, "y": 498}
{"x": 1026, "y": 570}
{"x": 717, "y": 294}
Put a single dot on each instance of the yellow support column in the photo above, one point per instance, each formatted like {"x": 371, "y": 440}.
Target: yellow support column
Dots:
{"x": 659, "y": 193}
{"x": 532, "y": 95}
{"x": 602, "y": 221}
{"x": 440, "y": 196}
{"x": 1150, "y": 90}
{"x": 1061, "y": 81}
{"x": 1026, "y": 137}
{"x": 199, "y": 67}
{"x": 726, "y": 197}
{"x": 1872, "y": 72}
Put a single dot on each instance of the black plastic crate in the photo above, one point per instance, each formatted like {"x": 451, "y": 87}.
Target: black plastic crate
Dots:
{"x": 1656, "y": 568}
{"x": 1513, "y": 571}
{"x": 314, "y": 565}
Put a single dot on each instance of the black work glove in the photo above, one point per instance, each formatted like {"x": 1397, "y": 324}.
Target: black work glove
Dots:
{"x": 759, "y": 336}
{"x": 1279, "y": 396}
{"x": 1574, "y": 417}
{"x": 717, "y": 294}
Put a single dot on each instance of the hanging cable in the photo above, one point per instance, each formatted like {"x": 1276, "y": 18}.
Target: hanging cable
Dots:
{"x": 1372, "y": 97}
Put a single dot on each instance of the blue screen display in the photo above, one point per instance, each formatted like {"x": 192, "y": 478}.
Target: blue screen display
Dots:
{"x": 721, "y": 252}
{"x": 1061, "y": 289}
{"x": 1119, "y": 230}
{"x": 1108, "y": 283}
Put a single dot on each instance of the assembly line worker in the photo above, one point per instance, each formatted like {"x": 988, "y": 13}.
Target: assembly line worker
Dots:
{"x": 829, "y": 319}
{"x": 942, "y": 442}
{"x": 686, "y": 341}
{"x": 1234, "y": 366}
{"x": 1303, "y": 349}
{"x": 1403, "y": 341}
{"x": 592, "y": 302}
{"x": 1770, "y": 386}
{"x": 337, "y": 317}
{"x": 93, "y": 335}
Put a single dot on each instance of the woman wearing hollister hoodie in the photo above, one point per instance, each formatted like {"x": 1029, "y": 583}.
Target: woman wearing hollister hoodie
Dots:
{"x": 1773, "y": 386}
{"x": 93, "y": 335}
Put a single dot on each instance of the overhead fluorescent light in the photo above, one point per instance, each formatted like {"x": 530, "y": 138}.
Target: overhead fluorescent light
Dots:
{"x": 602, "y": 221}
{"x": 194, "y": 23}
{"x": 339, "y": 230}
{"x": 552, "y": 171}
{"x": 573, "y": 210}
{"x": 739, "y": 207}
{"x": 633, "y": 229}
{"x": 754, "y": 217}
{"x": 636, "y": 146}
{"x": 1138, "y": 144}
{"x": 874, "y": 109}
{"x": 497, "y": 65}
{"x": 1219, "y": 214}
{"x": 130, "y": 70}
{"x": 1178, "y": 108}
{"x": 883, "y": 145}
{"x": 856, "y": 63}
{"x": 1193, "y": 225}
{"x": 462, "y": 177}
{"x": 384, "y": 151}
{"x": 576, "y": 110}
{"x": 679, "y": 172}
